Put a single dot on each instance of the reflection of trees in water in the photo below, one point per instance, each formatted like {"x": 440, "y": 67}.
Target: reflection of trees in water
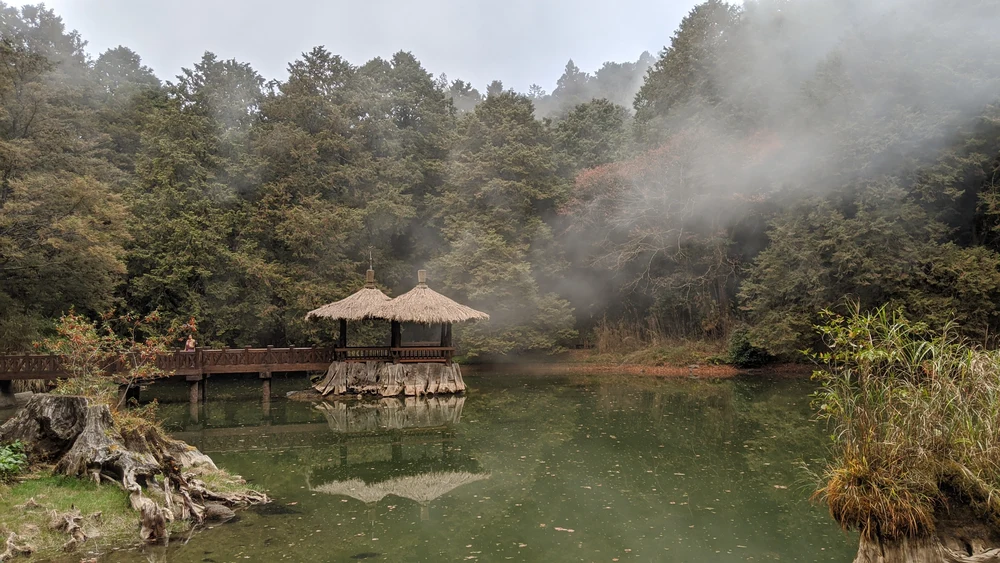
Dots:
{"x": 706, "y": 409}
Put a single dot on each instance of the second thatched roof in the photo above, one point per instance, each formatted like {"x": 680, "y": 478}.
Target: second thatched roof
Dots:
{"x": 355, "y": 307}
{"x": 426, "y": 306}
{"x": 422, "y": 488}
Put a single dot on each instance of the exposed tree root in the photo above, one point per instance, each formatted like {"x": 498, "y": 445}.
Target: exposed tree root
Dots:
{"x": 79, "y": 436}
{"x": 14, "y": 547}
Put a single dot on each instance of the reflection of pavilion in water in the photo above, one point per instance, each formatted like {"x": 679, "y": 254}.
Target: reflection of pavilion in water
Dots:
{"x": 388, "y": 421}
{"x": 409, "y": 469}
{"x": 402, "y": 447}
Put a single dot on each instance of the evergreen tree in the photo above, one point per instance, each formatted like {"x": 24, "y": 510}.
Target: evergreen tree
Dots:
{"x": 61, "y": 224}
{"x": 501, "y": 189}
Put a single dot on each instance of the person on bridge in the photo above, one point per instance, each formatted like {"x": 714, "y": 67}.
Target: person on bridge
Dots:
{"x": 190, "y": 344}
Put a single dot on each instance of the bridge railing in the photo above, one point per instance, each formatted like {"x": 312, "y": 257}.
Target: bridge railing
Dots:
{"x": 37, "y": 366}
{"x": 236, "y": 360}
{"x": 199, "y": 361}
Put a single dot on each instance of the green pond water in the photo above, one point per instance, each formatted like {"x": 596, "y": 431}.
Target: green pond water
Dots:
{"x": 521, "y": 468}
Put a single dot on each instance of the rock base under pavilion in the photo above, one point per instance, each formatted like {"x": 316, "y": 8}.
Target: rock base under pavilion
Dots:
{"x": 391, "y": 380}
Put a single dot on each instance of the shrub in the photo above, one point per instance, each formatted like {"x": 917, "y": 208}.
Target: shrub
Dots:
{"x": 13, "y": 461}
{"x": 742, "y": 352}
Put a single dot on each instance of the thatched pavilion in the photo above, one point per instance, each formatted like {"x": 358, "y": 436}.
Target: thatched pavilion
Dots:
{"x": 355, "y": 307}
{"x": 422, "y": 305}
{"x": 429, "y": 369}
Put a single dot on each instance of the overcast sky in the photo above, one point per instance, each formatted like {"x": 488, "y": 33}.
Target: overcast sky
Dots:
{"x": 518, "y": 41}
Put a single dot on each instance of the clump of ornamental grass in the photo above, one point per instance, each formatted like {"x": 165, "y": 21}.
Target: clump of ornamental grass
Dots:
{"x": 915, "y": 414}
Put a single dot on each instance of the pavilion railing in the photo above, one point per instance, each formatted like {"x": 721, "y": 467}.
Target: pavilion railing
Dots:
{"x": 364, "y": 354}
{"x": 423, "y": 354}
{"x": 403, "y": 354}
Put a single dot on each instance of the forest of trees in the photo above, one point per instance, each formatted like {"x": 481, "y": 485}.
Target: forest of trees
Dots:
{"x": 770, "y": 161}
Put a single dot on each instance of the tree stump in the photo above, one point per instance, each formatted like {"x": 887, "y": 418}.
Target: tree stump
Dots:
{"x": 78, "y": 436}
{"x": 924, "y": 551}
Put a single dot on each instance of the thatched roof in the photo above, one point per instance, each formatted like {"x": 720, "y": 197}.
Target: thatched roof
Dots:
{"x": 429, "y": 486}
{"x": 359, "y": 305}
{"x": 355, "y": 488}
{"x": 424, "y": 305}
{"x": 420, "y": 488}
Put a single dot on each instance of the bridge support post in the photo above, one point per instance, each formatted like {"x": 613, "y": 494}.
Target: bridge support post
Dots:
{"x": 265, "y": 387}
{"x": 196, "y": 392}
{"x": 194, "y": 412}
{"x": 7, "y": 394}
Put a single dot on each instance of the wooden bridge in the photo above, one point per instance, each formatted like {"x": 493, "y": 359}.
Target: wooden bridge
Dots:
{"x": 197, "y": 365}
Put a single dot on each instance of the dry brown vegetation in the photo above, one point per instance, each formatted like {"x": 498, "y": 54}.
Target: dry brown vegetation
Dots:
{"x": 629, "y": 342}
{"x": 915, "y": 415}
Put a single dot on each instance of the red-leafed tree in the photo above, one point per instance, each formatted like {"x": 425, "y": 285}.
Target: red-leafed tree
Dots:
{"x": 667, "y": 224}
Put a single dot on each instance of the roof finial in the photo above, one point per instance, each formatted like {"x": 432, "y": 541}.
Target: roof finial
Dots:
{"x": 422, "y": 277}
{"x": 370, "y": 274}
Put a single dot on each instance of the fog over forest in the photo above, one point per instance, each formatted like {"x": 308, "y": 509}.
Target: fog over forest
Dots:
{"x": 521, "y": 42}
{"x": 775, "y": 158}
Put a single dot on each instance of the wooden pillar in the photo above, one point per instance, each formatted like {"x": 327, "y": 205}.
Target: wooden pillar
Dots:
{"x": 265, "y": 377}
{"x": 446, "y": 340}
{"x": 343, "y": 334}
{"x": 7, "y": 394}
{"x": 395, "y": 340}
{"x": 397, "y": 446}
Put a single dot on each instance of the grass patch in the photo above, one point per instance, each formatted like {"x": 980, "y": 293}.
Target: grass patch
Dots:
{"x": 116, "y": 525}
{"x": 221, "y": 481}
{"x": 678, "y": 353}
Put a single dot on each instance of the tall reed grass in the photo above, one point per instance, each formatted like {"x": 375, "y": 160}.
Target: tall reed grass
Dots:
{"x": 647, "y": 343}
{"x": 915, "y": 414}
{"x": 624, "y": 336}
